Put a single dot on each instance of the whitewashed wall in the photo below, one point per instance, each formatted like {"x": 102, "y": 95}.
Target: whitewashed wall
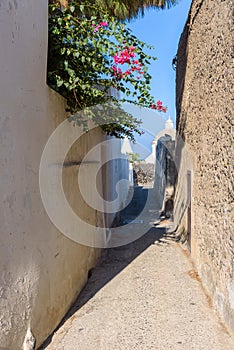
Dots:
{"x": 115, "y": 171}
{"x": 41, "y": 271}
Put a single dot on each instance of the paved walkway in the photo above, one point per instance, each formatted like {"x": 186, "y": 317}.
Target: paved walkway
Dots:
{"x": 141, "y": 296}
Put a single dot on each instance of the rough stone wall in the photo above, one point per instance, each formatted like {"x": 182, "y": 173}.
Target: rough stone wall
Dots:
{"x": 204, "y": 119}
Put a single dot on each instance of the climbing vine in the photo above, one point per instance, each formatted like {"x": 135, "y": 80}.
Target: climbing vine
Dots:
{"x": 90, "y": 54}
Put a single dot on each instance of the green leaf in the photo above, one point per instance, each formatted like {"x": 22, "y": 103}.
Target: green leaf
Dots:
{"x": 79, "y": 62}
{"x": 82, "y": 7}
{"x": 59, "y": 82}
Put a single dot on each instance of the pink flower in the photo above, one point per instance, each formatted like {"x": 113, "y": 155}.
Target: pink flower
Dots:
{"x": 135, "y": 62}
{"x": 104, "y": 24}
{"x": 125, "y": 52}
{"x": 97, "y": 28}
{"x": 158, "y": 106}
{"x": 122, "y": 58}
{"x": 127, "y": 72}
{"x": 131, "y": 48}
{"x": 116, "y": 72}
{"x": 125, "y": 59}
{"x": 132, "y": 54}
{"x": 116, "y": 59}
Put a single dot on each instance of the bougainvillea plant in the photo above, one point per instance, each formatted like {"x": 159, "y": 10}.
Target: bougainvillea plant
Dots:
{"x": 90, "y": 54}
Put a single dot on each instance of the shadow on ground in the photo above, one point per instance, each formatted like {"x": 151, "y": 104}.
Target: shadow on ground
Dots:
{"x": 112, "y": 262}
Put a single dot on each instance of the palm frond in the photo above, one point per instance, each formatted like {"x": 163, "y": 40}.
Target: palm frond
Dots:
{"x": 128, "y": 9}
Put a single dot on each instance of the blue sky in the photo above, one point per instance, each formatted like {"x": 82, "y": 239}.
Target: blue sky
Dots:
{"x": 162, "y": 29}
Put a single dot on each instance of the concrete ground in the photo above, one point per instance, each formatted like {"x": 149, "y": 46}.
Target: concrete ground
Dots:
{"x": 145, "y": 295}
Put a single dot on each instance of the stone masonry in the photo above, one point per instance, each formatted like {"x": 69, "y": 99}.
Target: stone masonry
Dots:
{"x": 204, "y": 120}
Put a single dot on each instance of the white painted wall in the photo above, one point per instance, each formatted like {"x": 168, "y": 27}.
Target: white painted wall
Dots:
{"x": 115, "y": 171}
{"x": 41, "y": 271}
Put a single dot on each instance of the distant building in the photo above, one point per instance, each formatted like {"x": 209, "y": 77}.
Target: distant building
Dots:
{"x": 170, "y": 131}
{"x": 163, "y": 151}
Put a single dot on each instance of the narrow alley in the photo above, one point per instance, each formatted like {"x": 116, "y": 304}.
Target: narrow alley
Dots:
{"x": 116, "y": 175}
{"x": 144, "y": 295}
